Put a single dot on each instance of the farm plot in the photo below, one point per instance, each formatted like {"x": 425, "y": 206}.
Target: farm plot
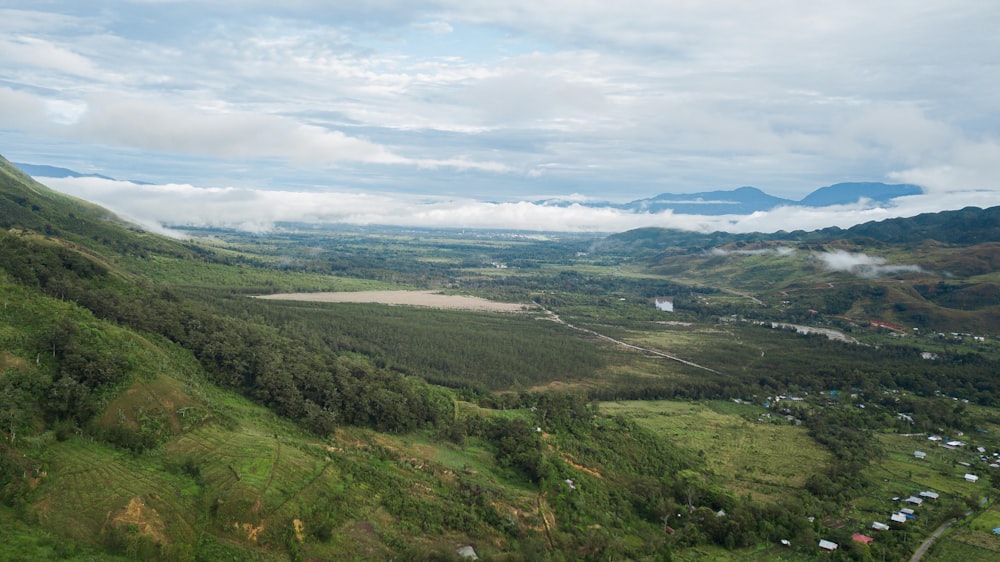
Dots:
{"x": 253, "y": 478}
{"x": 765, "y": 460}
{"x": 430, "y": 299}
{"x": 90, "y": 488}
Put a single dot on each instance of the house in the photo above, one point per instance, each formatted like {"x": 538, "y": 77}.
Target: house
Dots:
{"x": 880, "y": 526}
{"x": 934, "y": 438}
{"x": 919, "y": 455}
{"x": 897, "y": 518}
{"x": 862, "y": 538}
{"x": 929, "y": 495}
{"x": 913, "y": 500}
{"x": 971, "y": 478}
{"x": 906, "y": 511}
{"x": 954, "y": 444}
{"x": 827, "y": 545}
{"x": 467, "y": 553}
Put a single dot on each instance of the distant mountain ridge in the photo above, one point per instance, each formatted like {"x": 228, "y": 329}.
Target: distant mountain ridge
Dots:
{"x": 746, "y": 200}
{"x": 44, "y": 171}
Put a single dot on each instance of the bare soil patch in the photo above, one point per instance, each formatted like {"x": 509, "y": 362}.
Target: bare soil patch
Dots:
{"x": 407, "y": 298}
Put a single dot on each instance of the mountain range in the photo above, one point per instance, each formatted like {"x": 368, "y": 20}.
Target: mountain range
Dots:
{"x": 740, "y": 201}
{"x": 746, "y": 200}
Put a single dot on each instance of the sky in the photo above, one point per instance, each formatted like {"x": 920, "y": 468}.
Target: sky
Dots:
{"x": 468, "y": 113}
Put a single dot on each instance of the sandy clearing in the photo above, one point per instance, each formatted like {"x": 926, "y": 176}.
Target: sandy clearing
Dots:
{"x": 412, "y": 298}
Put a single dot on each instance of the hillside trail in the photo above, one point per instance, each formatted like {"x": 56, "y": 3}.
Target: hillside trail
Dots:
{"x": 555, "y": 318}
{"x": 937, "y": 534}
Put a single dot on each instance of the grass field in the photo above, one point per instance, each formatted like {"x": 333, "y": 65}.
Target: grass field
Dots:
{"x": 765, "y": 460}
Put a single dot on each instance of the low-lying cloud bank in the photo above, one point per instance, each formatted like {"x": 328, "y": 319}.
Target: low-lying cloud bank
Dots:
{"x": 862, "y": 265}
{"x": 158, "y": 207}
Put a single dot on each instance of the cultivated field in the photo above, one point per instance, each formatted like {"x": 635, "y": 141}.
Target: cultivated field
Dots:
{"x": 430, "y": 299}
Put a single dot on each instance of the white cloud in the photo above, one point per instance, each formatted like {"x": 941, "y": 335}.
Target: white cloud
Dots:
{"x": 258, "y": 210}
{"x": 161, "y": 127}
{"x": 862, "y": 265}
{"x": 25, "y": 51}
{"x": 605, "y": 99}
{"x": 20, "y": 109}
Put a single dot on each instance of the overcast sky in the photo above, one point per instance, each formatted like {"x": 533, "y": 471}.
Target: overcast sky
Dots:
{"x": 455, "y": 112}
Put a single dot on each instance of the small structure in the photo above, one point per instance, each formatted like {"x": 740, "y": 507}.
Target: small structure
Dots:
{"x": 828, "y": 545}
{"x": 971, "y": 478}
{"x": 919, "y": 455}
{"x": 934, "y": 438}
{"x": 880, "y": 526}
{"x": 906, "y": 511}
{"x": 929, "y": 495}
{"x": 897, "y": 518}
{"x": 913, "y": 500}
{"x": 467, "y": 553}
{"x": 862, "y": 538}
{"x": 954, "y": 444}
{"x": 666, "y": 304}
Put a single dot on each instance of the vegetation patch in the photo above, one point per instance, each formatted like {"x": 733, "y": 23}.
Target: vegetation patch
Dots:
{"x": 767, "y": 459}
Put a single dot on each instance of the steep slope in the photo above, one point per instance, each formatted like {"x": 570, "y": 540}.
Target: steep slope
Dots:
{"x": 28, "y": 205}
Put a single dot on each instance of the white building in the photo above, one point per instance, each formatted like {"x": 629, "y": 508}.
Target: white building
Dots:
{"x": 828, "y": 545}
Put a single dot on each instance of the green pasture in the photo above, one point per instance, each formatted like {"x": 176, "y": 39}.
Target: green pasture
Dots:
{"x": 766, "y": 460}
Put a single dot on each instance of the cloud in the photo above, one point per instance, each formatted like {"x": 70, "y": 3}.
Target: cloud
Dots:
{"x": 606, "y": 99}
{"x": 259, "y": 210}
{"x": 862, "y": 265}
{"x": 161, "y": 127}
{"x": 20, "y": 109}
{"x": 39, "y": 53}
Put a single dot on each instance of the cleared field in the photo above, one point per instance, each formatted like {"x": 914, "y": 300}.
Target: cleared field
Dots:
{"x": 762, "y": 459}
{"x": 430, "y": 299}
